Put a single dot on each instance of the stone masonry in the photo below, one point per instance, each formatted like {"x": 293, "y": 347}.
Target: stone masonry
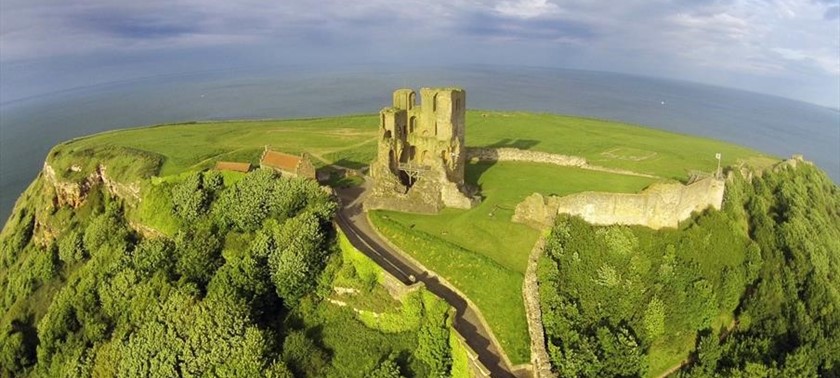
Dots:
{"x": 660, "y": 205}
{"x": 421, "y": 156}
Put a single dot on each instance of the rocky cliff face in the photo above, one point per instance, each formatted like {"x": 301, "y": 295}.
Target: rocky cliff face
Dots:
{"x": 74, "y": 194}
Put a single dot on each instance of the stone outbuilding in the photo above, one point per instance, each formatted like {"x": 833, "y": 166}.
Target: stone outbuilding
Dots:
{"x": 289, "y": 165}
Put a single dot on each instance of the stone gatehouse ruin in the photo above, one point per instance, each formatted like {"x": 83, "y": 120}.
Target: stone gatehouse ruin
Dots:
{"x": 421, "y": 155}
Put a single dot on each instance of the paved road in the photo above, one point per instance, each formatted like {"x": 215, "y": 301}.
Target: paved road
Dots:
{"x": 355, "y": 225}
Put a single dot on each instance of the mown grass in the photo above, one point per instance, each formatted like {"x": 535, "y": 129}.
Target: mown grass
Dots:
{"x": 199, "y": 145}
{"x": 485, "y": 282}
{"x": 480, "y": 250}
{"x": 605, "y": 143}
{"x": 350, "y": 141}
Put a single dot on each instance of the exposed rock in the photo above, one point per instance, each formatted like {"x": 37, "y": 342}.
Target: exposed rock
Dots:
{"x": 74, "y": 194}
{"x": 345, "y": 290}
{"x": 128, "y": 192}
{"x": 71, "y": 194}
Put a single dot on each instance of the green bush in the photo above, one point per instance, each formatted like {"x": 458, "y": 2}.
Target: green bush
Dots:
{"x": 71, "y": 247}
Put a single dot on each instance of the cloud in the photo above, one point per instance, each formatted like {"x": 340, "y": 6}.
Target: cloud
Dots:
{"x": 526, "y": 8}
{"x": 717, "y": 41}
{"x": 832, "y": 13}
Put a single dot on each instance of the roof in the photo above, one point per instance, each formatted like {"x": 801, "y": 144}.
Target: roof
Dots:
{"x": 233, "y": 166}
{"x": 280, "y": 160}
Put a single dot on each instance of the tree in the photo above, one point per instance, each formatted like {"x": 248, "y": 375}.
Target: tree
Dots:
{"x": 71, "y": 247}
{"x": 152, "y": 255}
{"x": 620, "y": 353}
{"x": 298, "y": 257}
{"x": 387, "y": 368}
{"x": 189, "y": 198}
{"x": 303, "y": 356}
{"x": 249, "y": 202}
{"x": 199, "y": 253}
{"x": 654, "y": 319}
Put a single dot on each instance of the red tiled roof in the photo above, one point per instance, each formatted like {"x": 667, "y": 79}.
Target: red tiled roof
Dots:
{"x": 233, "y": 166}
{"x": 280, "y": 160}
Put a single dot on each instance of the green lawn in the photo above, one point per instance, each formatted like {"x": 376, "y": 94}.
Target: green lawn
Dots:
{"x": 605, "y": 143}
{"x": 481, "y": 251}
{"x": 198, "y": 145}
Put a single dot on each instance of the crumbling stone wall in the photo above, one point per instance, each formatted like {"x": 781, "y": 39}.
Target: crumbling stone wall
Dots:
{"x": 515, "y": 154}
{"x": 487, "y": 154}
{"x": 660, "y": 205}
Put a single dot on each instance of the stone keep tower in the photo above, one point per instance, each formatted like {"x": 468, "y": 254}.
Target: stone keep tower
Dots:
{"x": 420, "y": 161}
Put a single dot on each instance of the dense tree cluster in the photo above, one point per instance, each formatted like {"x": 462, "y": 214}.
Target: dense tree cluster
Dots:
{"x": 789, "y": 318}
{"x": 228, "y": 292}
{"x": 755, "y": 282}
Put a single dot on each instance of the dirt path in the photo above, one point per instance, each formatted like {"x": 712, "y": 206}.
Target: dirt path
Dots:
{"x": 354, "y": 223}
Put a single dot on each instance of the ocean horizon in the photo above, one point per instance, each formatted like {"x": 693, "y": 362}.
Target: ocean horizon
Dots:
{"x": 29, "y": 127}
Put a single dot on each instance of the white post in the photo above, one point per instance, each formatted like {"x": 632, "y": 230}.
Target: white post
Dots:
{"x": 717, "y": 156}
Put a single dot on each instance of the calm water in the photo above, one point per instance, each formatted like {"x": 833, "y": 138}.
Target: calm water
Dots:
{"x": 28, "y": 128}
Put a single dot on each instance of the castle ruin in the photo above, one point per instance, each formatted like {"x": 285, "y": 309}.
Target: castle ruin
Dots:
{"x": 421, "y": 155}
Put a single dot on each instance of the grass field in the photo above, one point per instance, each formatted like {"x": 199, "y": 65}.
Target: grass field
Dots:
{"x": 350, "y": 141}
{"x": 609, "y": 144}
{"x": 479, "y": 250}
{"x": 195, "y": 146}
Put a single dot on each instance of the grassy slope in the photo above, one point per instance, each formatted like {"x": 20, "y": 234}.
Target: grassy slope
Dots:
{"x": 349, "y": 141}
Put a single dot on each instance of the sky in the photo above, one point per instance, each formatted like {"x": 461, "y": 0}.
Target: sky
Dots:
{"x": 789, "y": 48}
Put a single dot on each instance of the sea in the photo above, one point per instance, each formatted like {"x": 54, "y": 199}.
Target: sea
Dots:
{"x": 30, "y": 127}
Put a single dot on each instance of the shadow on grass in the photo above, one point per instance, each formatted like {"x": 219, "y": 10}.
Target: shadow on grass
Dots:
{"x": 522, "y": 144}
{"x": 353, "y": 164}
{"x": 473, "y": 171}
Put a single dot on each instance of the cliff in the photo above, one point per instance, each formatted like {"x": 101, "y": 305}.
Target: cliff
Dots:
{"x": 74, "y": 193}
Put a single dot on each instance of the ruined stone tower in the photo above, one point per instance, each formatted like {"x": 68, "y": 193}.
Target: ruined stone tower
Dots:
{"x": 420, "y": 161}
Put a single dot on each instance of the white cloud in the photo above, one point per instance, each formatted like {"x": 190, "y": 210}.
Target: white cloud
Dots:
{"x": 717, "y": 41}
{"x": 527, "y": 8}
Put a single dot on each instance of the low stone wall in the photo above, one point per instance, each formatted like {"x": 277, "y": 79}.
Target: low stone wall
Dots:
{"x": 488, "y": 154}
{"x": 515, "y": 154}
{"x": 660, "y": 205}
{"x": 531, "y": 294}
{"x": 395, "y": 287}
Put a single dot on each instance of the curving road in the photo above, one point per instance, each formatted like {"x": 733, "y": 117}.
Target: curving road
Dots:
{"x": 358, "y": 229}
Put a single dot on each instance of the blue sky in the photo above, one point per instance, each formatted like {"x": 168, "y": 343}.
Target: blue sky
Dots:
{"x": 786, "y": 47}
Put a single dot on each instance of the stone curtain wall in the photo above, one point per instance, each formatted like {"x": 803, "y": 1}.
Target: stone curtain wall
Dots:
{"x": 660, "y": 205}
{"x": 515, "y": 154}
{"x": 531, "y": 294}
